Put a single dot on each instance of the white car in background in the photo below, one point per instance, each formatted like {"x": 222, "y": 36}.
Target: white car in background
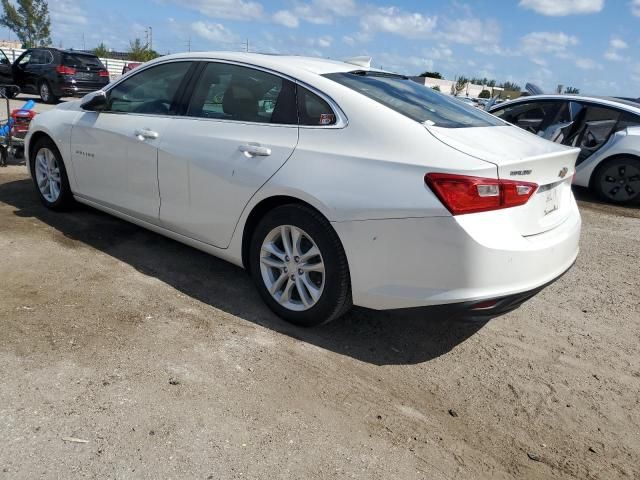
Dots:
{"x": 606, "y": 129}
{"x": 332, "y": 183}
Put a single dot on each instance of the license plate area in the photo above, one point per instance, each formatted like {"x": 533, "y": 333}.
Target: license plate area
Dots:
{"x": 551, "y": 201}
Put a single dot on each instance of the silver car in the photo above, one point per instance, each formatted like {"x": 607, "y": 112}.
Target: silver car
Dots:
{"x": 606, "y": 129}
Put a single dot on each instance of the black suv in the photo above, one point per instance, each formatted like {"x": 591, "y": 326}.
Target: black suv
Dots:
{"x": 53, "y": 73}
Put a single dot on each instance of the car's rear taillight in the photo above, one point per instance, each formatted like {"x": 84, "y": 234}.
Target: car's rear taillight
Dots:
{"x": 103, "y": 73}
{"x": 64, "y": 70}
{"x": 465, "y": 194}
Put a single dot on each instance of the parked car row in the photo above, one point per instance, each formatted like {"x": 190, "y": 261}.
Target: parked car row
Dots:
{"x": 53, "y": 73}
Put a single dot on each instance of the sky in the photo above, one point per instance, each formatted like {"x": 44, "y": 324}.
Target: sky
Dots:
{"x": 593, "y": 45}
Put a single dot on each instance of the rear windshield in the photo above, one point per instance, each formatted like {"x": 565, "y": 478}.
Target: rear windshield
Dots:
{"x": 415, "y": 101}
{"x": 80, "y": 60}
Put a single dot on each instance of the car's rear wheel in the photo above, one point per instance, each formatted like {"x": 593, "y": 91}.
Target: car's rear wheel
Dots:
{"x": 299, "y": 266}
{"x": 50, "y": 176}
{"x": 46, "y": 94}
{"x": 618, "y": 180}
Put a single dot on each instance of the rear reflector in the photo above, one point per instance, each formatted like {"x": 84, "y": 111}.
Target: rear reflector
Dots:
{"x": 486, "y": 305}
{"x": 103, "y": 73}
{"x": 465, "y": 194}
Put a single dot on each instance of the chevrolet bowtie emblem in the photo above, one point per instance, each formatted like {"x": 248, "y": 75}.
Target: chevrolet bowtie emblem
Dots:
{"x": 563, "y": 172}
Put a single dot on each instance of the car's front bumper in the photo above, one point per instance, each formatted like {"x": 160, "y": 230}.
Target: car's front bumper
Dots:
{"x": 416, "y": 262}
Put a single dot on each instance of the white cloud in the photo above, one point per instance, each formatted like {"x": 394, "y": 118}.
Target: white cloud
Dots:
{"x": 67, "y": 12}
{"x": 323, "y": 42}
{"x": 232, "y": 9}
{"x": 558, "y": 8}
{"x": 615, "y": 45}
{"x": 555, "y": 43}
{"x": 396, "y": 21}
{"x": 286, "y": 18}
{"x": 613, "y": 56}
{"x": 214, "y": 32}
{"x": 587, "y": 64}
{"x": 320, "y": 12}
{"x": 473, "y": 32}
{"x": 635, "y": 7}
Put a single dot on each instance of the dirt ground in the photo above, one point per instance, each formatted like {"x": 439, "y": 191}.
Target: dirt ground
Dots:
{"x": 167, "y": 363}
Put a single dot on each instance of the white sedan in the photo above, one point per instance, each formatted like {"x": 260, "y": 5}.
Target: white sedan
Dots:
{"x": 333, "y": 183}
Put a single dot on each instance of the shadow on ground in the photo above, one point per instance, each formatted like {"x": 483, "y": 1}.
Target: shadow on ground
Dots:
{"x": 380, "y": 338}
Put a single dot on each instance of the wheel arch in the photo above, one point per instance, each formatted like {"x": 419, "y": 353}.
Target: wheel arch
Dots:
{"x": 259, "y": 210}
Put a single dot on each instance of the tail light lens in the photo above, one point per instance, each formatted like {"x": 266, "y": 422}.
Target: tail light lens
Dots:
{"x": 103, "y": 73}
{"x": 64, "y": 70}
{"x": 465, "y": 194}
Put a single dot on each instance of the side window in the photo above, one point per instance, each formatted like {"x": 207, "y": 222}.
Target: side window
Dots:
{"x": 3, "y": 58}
{"x": 592, "y": 127}
{"x": 48, "y": 57}
{"x": 628, "y": 119}
{"x": 37, "y": 57}
{"x": 231, "y": 92}
{"x": 313, "y": 110}
{"x": 534, "y": 117}
{"x": 151, "y": 91}
{"x": 24, "y": 59}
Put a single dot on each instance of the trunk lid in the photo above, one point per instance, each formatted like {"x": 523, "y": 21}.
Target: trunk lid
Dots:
{"x": 519, "y": 155}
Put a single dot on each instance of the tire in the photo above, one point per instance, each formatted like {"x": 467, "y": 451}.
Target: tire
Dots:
{"x": 47, "y": 166}
{"x": 325, "y": 296}
{"x": 617, "y": 180}
{"x": 8, "y": 93}
{"x": 46, "y": 94}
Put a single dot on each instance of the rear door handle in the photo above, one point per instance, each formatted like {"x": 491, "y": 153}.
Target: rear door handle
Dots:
{"x": 146, "y": 133}
{"x": 251, "y": 150}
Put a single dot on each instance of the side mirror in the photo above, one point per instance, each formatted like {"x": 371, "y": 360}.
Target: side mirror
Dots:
{"x": 95, "y": 102}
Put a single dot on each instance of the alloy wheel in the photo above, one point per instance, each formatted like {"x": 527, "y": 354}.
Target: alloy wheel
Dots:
{"x": 292, "y": 268}
{"x": 48, "y": 175}
{"x": 44, "y": 92}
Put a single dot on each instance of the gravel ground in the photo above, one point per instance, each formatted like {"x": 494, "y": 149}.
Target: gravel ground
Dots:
{"x": 167, "y": 363}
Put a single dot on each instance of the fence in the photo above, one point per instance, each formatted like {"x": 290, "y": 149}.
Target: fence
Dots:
{"x": 113, "y": 65}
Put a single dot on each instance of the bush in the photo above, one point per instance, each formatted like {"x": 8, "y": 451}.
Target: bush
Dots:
{"x": 436, "y": 88}
{"x": 485, "y": 94}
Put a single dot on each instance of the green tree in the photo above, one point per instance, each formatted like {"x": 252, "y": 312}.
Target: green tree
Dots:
{"x": 140, "y": 52}
{"x": 572, "y": 90}
{"x": 510, "y": 86}
{"x": 485, "y": 94}
{"x": 29, "y": 21}
{"x": 431, "y": 75}
{"x": 436, "y": 88}
{"x": 101, "y": 50}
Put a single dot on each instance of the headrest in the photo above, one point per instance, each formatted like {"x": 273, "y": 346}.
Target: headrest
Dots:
{"x": 240, "y": 102}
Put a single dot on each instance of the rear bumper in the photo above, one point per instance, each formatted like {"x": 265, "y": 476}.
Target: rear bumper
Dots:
{"x": 417, "y": 262}
{"x": 78, "y": 89}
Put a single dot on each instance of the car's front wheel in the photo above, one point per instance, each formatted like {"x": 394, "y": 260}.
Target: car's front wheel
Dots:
{"x": 50, "y": 176}
{"x": 618, "y": 180}
{"x": 299, "y": 266}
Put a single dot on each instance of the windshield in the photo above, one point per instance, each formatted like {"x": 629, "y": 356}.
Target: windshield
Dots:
{"x": 415, "y": 101}
{"x": 79, "y": 60}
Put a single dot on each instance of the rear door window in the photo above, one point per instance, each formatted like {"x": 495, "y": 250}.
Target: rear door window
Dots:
{"x": 592, "y": 127}
{"x": 414, "y": 100}
{"x": 233, "y": 92}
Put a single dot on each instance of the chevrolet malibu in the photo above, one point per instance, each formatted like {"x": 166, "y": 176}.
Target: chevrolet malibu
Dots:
{"x": 332, "y": 183}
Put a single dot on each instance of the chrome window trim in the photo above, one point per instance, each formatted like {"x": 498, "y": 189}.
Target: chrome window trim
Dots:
{"x": 341, "y": 118}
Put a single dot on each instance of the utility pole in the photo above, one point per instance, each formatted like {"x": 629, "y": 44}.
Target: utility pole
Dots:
{"x": 247, "y": 49}
{"x": 150, "y": 38}
{"x": 189, "y": 44}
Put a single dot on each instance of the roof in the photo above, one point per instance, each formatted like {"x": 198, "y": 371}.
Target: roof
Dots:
{"x": 288, "y": 64}
{"x": 625, "y": 104}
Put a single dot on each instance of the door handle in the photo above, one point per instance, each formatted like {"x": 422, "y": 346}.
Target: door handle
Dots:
{"x": 251, "y": 150}
{"x": 146, "y": 133}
